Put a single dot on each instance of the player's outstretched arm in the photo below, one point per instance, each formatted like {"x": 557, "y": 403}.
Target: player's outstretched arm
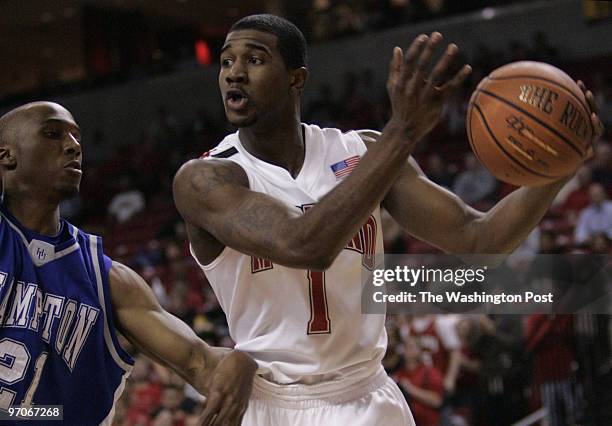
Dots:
{"x": 224, "y": 376}
{"x": 213, "y": 195}
{"x": 434, "y": 214}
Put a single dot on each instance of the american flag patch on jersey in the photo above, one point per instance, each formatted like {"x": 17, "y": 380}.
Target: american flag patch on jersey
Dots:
{"x": 345, "y": 167}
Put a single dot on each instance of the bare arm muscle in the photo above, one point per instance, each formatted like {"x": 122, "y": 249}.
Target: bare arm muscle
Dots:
{"x": 213, "y": 195}
{"x": 436, "y": 215}
{"x": 160, "y": 335}
{"x": 431, "y": 212}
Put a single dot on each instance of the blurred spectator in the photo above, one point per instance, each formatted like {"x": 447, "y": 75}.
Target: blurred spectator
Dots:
{"x": 322, "y": 20}
{"x": 421, "y": 384}
{"x": 548, "y": 244}
{"x": 542, "y": 50}
{"x": 164, "y": 129}
{"x": 149, "y": 256}
{"x": 602, "y": 164}
{"x": 485, "y": 60}
{"x": 393, "y": 12}
{"x": 171, "y": 412}
{"x": 475, "y": 183}
{"x": 71, "y": 209}
{"x": 597, "y": 217}
{"x": 437, "y": 337}
{"x": 203, "y": 124}
{"x": 550, "y": 271}
{"x": 549, "y": 338}
{"x": 393, "y": 359}
{"x": 517, "y": 52}
{"x": 600, "y": 244}
{"x": 454, "y": 113}
{"x": 357, "y": 111}
{"x": 574, "y": 196}
{"x": 393, "y": 236}
{"x": 127, "y": 202}
{"x": 438, "y": 172}
{"x": 144, "y": 392}
{"x": 467, "y": 398}
{"x": 526, "y": 251}
{"x": 158, "y": 288}
{"x": 322, "y": 110}
{"x": 503, "y": 374}
{"x": 349, "y": 20}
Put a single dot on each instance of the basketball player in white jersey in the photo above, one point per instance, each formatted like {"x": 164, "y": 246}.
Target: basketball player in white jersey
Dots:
{"x": 282, "y": 220}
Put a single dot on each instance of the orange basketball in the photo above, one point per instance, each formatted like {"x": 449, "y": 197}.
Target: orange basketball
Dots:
{"x": 529, "y": 123}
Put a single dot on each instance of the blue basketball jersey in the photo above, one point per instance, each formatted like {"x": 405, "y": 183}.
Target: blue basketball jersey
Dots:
{"x": 57, "y": 339}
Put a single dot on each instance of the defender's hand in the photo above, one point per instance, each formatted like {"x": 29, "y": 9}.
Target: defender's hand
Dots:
{"x": 598, "y": 126}
{"x": 229, "y": 390}
{"x": 417, "y": 96}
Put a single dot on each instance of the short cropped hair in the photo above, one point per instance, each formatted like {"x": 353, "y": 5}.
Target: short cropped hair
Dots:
{"x": 291, "y": 41}
{"x": 5, "y": 121}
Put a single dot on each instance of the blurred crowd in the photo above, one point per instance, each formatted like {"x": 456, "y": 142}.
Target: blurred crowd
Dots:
{"x": 121, "y": 43}
{"x": 323, "y": 20}
{"x": 453, "y": 369}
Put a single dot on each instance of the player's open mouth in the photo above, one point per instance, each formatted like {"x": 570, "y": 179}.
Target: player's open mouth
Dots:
{"x": 236, "y": 99}
{"x": 74, "y": 166}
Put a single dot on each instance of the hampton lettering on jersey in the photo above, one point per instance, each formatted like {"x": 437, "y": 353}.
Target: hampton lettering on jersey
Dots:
{"x": 44, "y": 313}
{"x": 364, "y": 243}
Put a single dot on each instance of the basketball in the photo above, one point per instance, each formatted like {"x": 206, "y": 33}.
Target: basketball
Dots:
{"x": 529, "y": 123}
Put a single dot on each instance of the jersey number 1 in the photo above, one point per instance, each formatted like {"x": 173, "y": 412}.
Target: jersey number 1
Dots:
{"x": 319, "y": 315}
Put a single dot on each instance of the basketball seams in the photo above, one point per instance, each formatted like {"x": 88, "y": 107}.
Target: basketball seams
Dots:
{"x": 471, "y": 105}
{"x": 535, "y": 118}
{"x": 554, "y": 83}
{"x": 500, "y": 146}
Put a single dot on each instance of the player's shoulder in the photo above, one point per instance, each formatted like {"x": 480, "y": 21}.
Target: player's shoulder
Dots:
{"x": 332, "y": 139}
{"x": 328, "y": 133}
{"x": 224, "y": 149}
{"x": 204, "y": 183}
{"x": 208, "y": 174}
{"x": 127, "y": 288}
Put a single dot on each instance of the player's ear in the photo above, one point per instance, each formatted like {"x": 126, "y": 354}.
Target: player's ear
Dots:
{"x": 298, "y": 79}
{"x": 7, "y": 159}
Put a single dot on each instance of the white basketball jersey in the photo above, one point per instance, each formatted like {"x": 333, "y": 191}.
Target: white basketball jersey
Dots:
{"x": 300, "y": 325}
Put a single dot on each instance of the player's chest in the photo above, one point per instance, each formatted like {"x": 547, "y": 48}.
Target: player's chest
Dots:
{"x": 297, "y": 192}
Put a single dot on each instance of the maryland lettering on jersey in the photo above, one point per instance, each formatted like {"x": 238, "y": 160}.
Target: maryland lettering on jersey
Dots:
{"x": 364, "y": 243}
{"x": 258, "y": 264}
{"x": 47, "y": 314}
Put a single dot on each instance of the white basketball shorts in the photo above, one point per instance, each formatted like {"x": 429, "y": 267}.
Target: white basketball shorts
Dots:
{"x": 373, "y": 401}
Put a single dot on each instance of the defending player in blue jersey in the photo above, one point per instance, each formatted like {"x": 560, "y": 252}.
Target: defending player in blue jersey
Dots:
{"x": 61, "y": 298}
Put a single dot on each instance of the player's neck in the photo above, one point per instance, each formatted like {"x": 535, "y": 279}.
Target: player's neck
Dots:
{"x": 40, "y": 217}
{"x": 278, "y": 144}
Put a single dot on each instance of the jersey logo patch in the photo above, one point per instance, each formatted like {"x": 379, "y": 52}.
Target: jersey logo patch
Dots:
{"x": 41, "y": 252}
{"x": 345, "y": 167}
